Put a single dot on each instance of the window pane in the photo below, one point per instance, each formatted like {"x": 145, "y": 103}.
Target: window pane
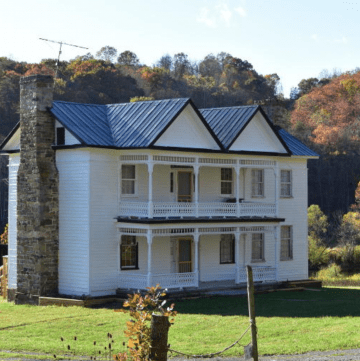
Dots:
{"x": 128, "y": 252}
{"x": 257, "y": 253}
{"x": 226, "y": 174}
{"x": 128, "y": 187}
{"x": 286, "y": 243}
{"x": 227, "y": 249}
{"x": 128, "y": 171}
{"x": 226, "y": 188}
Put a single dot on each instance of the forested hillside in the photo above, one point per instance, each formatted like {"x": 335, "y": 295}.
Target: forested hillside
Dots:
{"x": 324, "y": 112}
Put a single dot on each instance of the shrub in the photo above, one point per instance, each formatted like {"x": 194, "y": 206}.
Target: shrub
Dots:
{"x": 318, "y": 254}
{"x": 4, "y": 236}
{"x": 330, "y": 272}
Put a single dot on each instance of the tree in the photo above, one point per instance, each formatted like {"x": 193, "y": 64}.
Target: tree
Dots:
{"x": 317, "y": 223}
{"x": 128, "y": 58}
{"x": 107, "y": 53}
{"x": 165, "y": 62}
{"x": 182, "y": 65}
{"x": 210, "y": 66}
{"x": 330, "y": 115}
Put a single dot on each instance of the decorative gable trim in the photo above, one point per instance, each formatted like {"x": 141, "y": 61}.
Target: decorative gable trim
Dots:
{"x": 188, "y": 102}
{"x": 259, "y": 109}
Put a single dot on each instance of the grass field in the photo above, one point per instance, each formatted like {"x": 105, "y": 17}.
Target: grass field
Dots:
{"x": 288, "y": 323}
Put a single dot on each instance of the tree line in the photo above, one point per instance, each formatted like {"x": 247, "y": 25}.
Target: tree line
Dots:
{"x": 323, "y": 112}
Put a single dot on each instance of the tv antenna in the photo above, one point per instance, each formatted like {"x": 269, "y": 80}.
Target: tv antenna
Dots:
{"x": 61, "y": 44}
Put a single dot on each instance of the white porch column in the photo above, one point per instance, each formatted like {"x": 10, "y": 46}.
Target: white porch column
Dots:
{"x": 150, "y": 171}
{"x": 237, "y": 189}
{"x": 149, "y": 243}
{"x": 196, "y": 263}
{"x": 237, "y": 255}
{"x": 196, "y": 174}
{"x": 276, "y": 238}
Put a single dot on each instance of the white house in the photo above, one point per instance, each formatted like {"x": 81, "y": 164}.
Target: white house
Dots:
{"x": 162, "y": 192}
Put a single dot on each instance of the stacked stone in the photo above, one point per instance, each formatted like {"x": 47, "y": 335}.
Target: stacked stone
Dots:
{"x": 37, "y": 194}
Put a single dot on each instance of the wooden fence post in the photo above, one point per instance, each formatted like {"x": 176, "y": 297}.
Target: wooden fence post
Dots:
{"x": 251, "y": 306}
{"x": 159, "y": 337}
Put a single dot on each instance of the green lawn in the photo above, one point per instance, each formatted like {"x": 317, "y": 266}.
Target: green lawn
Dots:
{"x": 288, "y": 322}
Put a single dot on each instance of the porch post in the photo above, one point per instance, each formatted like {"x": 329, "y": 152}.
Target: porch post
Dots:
{"x": 237, "y": 189}
{"x": 149, "y": 242}
{"x": 237, "y": 255}
{"x": 150, "y": 171}
{"x": 196, "y": 174}
{"x": 276, "y": 237}
{"x": 196, "y": 263}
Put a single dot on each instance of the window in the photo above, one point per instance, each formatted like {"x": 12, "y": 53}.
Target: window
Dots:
{"x": 171, "y": 182}
{"x": 226, "y": 180}
{"x": 257, "y": 247}
{"x": 227, "y": 247}
{"x": 286, "y": 252}
{"x": 128, "y": 253}
{"x": 128, "y": 179}
{"x": 286, "y": 186}
{"x": 257, "y": 176}
{"x": 60, "y": 136}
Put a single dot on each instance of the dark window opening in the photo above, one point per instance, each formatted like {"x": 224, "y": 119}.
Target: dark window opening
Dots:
{"x": 60, "y": 136}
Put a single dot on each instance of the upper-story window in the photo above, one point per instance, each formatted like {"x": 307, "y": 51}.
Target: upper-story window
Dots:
{"x": 286, "y": 183}
{"x": 128, "y": 179}
{"x": 226, "y": 181}
{"x": 257, "y": 176}
{"x": 286, "y": 248}
{"x": 227, "y": 248}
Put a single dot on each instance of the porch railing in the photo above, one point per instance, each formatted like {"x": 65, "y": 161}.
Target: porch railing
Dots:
{"x": 184, "y": 209}
{"x": 191, "y": 279}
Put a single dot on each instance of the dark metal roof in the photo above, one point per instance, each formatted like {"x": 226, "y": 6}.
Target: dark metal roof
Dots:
{"x": 139, "y": 124}
{"x": 294, "y": 144}
{"x": 228, "y": 122}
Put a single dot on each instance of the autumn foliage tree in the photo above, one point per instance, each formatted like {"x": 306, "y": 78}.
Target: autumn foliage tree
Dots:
{"x": 330, "y": 115}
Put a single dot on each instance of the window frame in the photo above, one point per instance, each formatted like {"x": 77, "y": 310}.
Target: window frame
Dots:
{"x": 287, "y": 183}
{"x": 288, "y": 245}
{"x": 225, "y": 181}
{"x": 255, "y": 183}
{"x": 262, "y": 251}
{"x": 128, "y": 179}
{"x": 134, "y": 248}
{"x": 225, "y": 238}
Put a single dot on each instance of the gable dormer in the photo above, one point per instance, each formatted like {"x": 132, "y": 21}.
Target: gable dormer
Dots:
{"x": 188, "y": 130}
{"x": 258, "y": 136}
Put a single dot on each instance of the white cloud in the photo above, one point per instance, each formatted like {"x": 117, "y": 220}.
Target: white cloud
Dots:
{"x": 241, "y": 11}
{"x": 343, "y": 40}
{"x": 205, "y": 18}
{"x": 315, "y": 37}
{"x": 225, "y": 13}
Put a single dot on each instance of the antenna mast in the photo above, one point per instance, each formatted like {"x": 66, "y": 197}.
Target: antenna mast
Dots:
{"x": 61, "y": 44}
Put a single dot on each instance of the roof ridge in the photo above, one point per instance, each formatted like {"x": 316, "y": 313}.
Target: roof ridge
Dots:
{"x": 146, "y": 101}
{"x": 236, "y": 107}
{"x": 76, "y": 103}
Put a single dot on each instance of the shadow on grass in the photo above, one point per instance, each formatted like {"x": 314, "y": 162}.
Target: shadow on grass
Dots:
{"x": 334, "y": 302}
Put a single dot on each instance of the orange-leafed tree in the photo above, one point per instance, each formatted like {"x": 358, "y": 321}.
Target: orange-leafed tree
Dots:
{"x": 330, "y": 115}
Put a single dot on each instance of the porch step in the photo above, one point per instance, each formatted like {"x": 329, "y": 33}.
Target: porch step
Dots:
{"x": 303, "y": 283}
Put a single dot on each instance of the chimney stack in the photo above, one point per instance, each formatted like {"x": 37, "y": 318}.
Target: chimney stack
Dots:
{"x": 37, "y": 194}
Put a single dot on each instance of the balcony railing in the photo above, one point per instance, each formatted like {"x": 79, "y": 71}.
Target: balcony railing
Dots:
{"x": 191, "y": 279}
{"x": 184, "y": 209}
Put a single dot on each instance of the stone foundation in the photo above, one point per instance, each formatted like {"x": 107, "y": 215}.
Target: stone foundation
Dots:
{"x": 11, "y": 294}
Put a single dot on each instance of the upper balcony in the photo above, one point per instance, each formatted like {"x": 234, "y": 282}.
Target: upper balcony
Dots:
{"x": 170, "y": 187}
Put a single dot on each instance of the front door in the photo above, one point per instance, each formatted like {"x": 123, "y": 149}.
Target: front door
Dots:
{"x": 185, "y": 255}
{"x": 184, "y": 186}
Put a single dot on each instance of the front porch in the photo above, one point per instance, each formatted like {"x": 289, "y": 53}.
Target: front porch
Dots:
{"x": 195, "y": 255}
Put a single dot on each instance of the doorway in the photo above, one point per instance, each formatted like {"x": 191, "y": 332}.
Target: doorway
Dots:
{"x": 185, "y": 262}
{"x": 184, "y": 181}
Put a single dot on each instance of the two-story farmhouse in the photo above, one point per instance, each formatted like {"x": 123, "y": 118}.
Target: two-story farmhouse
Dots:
{"x": 107, "y": 197}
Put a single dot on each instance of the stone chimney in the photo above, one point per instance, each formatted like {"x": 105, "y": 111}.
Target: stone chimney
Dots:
{"x": 37, "y": 194}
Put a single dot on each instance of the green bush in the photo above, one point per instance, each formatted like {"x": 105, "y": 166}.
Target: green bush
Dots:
{"x": 330, "y": 272}
{"x": 318, "y": 253}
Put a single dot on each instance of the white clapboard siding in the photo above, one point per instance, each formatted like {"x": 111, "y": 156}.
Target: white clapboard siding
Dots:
{"x": 104, "y": 239}
{"x": 294, "y": 210}
{"x": 74, "y": 222}
{"x": 14, "y": 161}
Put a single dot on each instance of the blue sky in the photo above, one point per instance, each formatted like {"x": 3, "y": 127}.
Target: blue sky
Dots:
{"x": 295, "y": 39}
